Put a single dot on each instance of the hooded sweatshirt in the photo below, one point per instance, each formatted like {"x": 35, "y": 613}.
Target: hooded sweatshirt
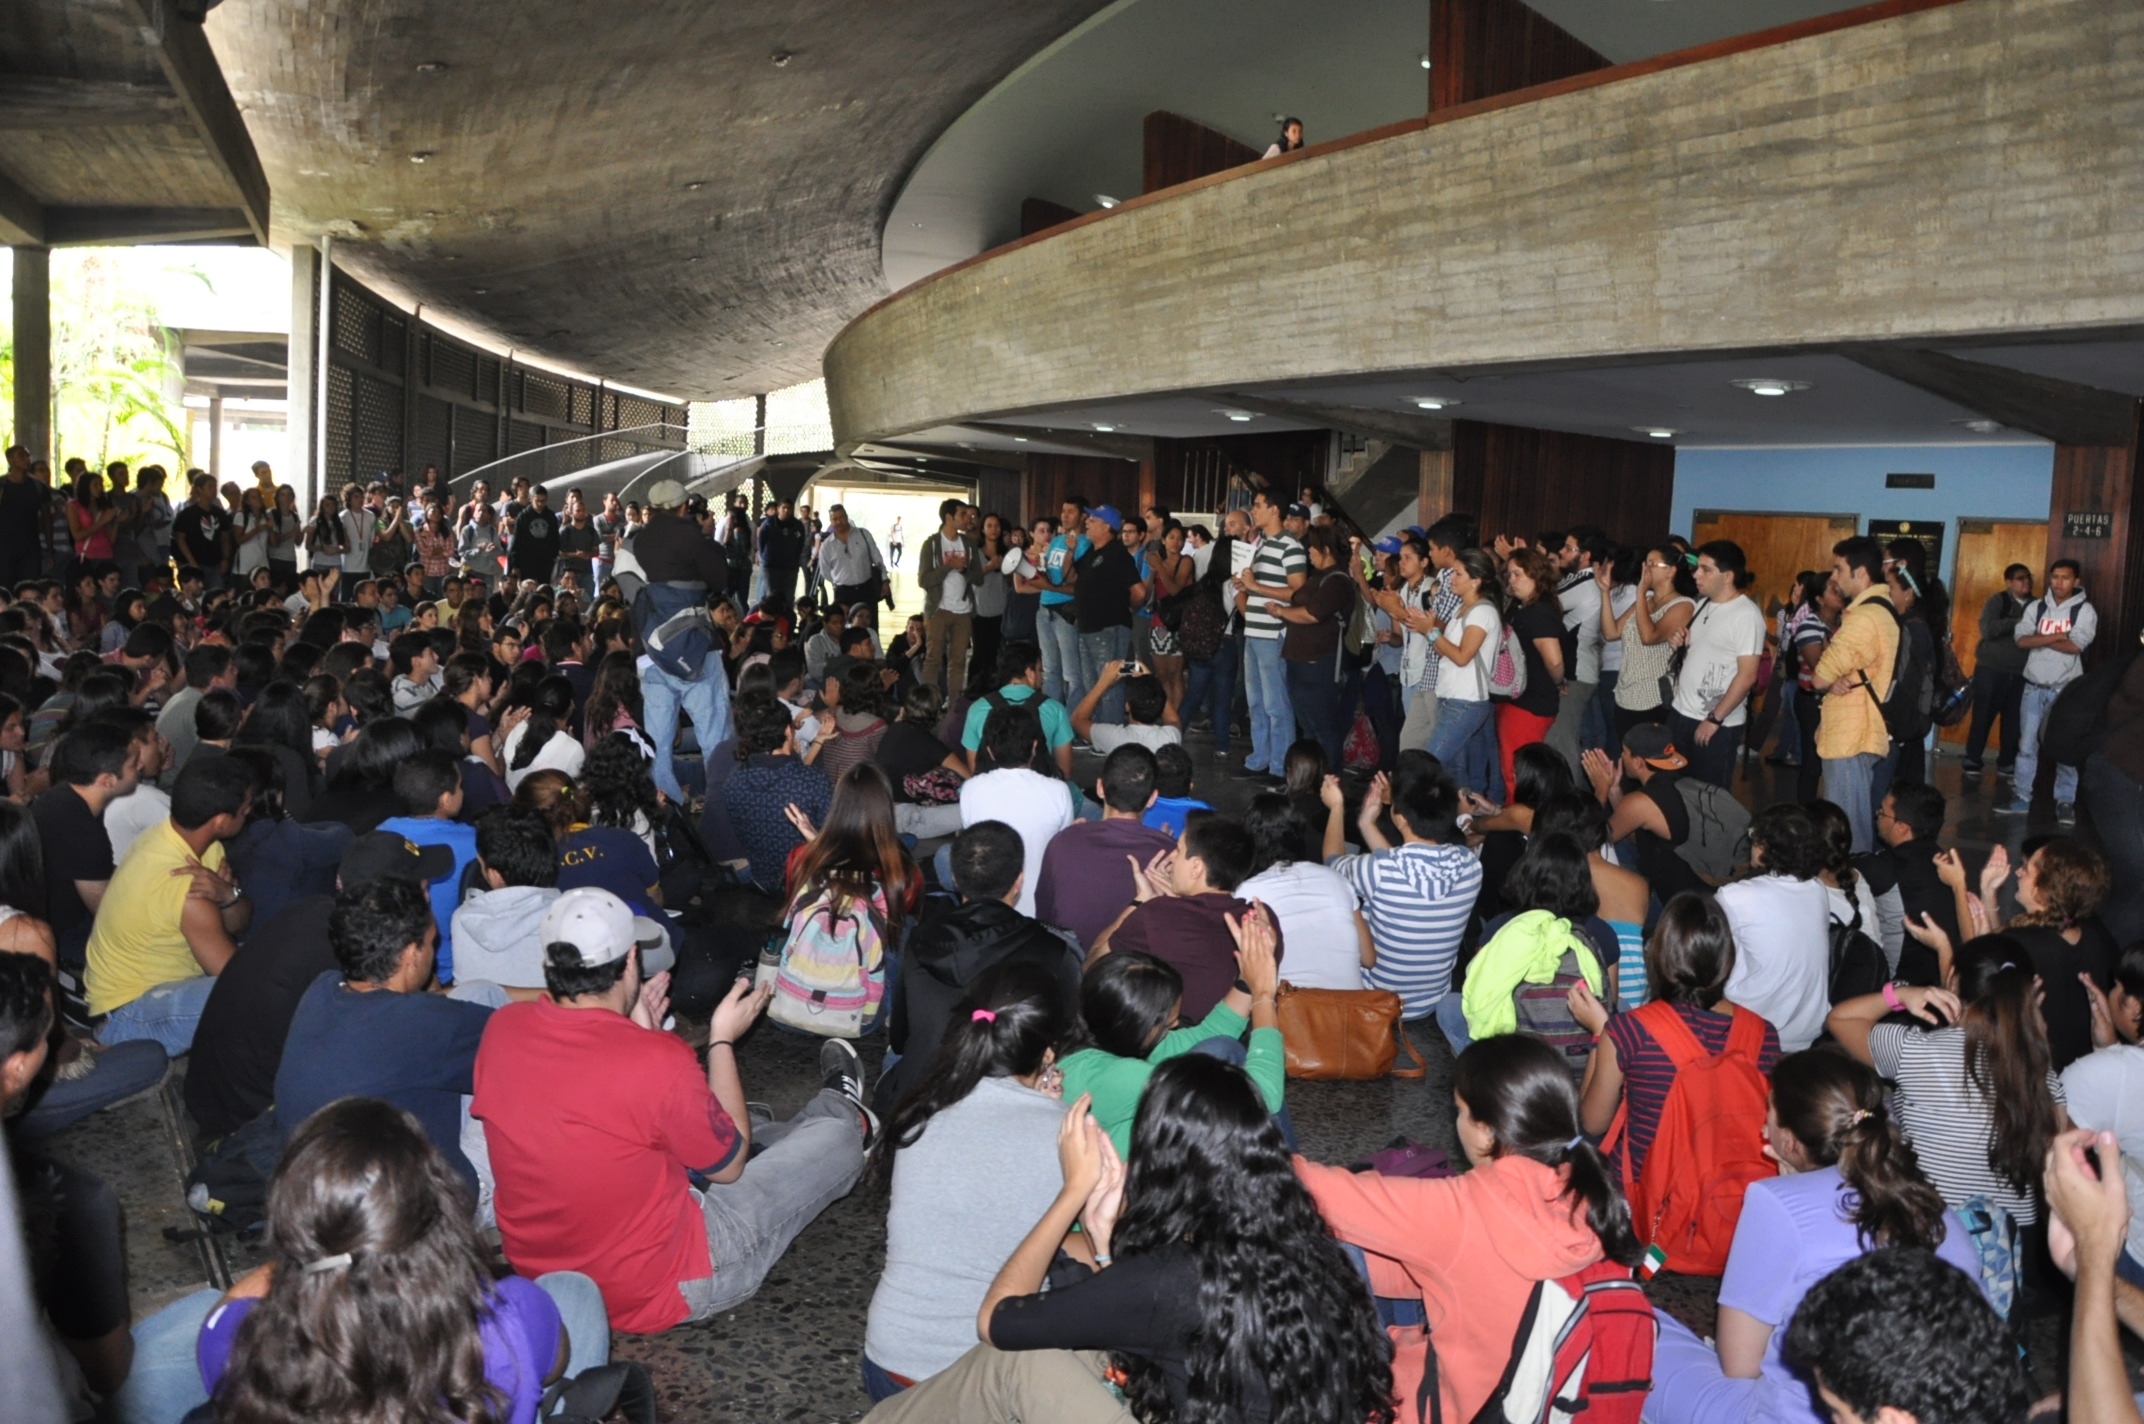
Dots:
{"x": 497, "y": 936}
{"x": 947, "y": 953}
{"x": 2074, "y": 617}
{"x": 1479, "y": 1241}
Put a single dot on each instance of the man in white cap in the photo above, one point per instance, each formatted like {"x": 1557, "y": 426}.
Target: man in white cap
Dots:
{"x": 684, "y": 570}
{"x": 617, "y": 1157}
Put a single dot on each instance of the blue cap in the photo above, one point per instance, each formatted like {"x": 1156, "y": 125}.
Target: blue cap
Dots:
{"x": 1390, "y": 544}
{"x": 1107, "y": 513}
{"x": 1417, "y": 530}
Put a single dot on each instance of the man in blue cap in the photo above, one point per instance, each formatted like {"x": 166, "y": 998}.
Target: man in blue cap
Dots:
{"x": 1106, "y": 590}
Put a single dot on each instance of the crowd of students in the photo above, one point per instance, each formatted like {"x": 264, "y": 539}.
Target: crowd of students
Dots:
{"x": 438, "y": 910}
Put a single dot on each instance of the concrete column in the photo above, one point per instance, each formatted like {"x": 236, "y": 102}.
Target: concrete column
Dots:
{"x": 33, "y": 351}
{"x": 215, "y": 436}
{"x": 303, "y": 461}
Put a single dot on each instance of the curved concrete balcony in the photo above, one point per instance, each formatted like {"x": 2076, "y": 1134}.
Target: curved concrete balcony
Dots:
{"x": 1942, "y": 174}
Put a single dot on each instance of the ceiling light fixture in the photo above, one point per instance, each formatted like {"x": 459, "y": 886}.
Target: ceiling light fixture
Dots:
{"x": 1104, "y": 429}
{"x": 422, "y": 155}
{"x": 1105, "y": 200}
{"x": 1435, "y": 402}
{"x": 432, "y": 66}
{"x": 1019, "y": 440}
{"x": 1980, "y": 425}
{"x": 1769, "y": 385}
{"x": 1425, "y": 61}
{"x": 781, "y": 58}
{"x": 696, "y": 185}
{"x": 1234, "y": 414}
{"x": 1658, "y": 432}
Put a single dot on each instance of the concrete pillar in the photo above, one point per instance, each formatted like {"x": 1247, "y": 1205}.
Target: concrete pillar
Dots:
{"x": 303, "y": 462}
{"x": 215, "y": 436}
{"x": 33, "y": 351}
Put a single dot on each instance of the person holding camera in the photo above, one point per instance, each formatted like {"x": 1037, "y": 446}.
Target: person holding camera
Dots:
{"x": 1152, "y": 720}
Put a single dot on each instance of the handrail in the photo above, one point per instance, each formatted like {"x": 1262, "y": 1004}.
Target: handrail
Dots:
{"x": 624, "y": 432}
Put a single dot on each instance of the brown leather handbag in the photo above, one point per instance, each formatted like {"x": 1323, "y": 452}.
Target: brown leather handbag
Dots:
{"x": 1344, "y": 1033}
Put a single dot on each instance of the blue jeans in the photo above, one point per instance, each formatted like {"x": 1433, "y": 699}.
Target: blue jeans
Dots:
{"x": 705, "y": 700}
{"x": 1452, "y": 1018}
{"x": 165, "y": 1380}
{"x": 167, "y": 1014}
{"x": 1465, "y": 741}
{"x": 1316, "y": 699}
{"x": 1097, "y": 650}
{"x": 122, "y": 1070}
{"x": 1850, "y": 784}
{"x": 878, "y": 1384}
{"x": 1212, "y": 685}
{"x": 2032, "y": 721}
{"x": 1060, "y": 656}
{"x": 1265, "y": 682}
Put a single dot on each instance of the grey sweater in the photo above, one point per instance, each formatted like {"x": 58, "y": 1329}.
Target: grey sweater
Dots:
{"x": 964, "y": 1196}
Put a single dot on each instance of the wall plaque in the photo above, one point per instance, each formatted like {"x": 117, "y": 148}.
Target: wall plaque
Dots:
{"x": 2087, "y": 524}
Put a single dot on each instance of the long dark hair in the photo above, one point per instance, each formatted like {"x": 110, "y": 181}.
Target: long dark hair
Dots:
{"x": 1691, "y": 952}
{"x": 550, "y": 708}
{"x": 22, "y": 860}
{"x": 1281, "y": 1308}
{"x": 379, "y": 747}
{"x": 1028, "y": 1016}
{"x": 618, "y": 784}
{"x": 857, "y": 853}
{"x": 1835, "y": 1108}
{"x": 380, "y": 1281}
{"x": 2006, "y": 1054}
{"x": 1125, "y": 1001}
{"x": 617, "y": 685}
{"x": 1554, "y": 875}
{"x": 281, "y": 717}
{"x": 1519, "y": 1088}
{"x": 1282, "y": 835}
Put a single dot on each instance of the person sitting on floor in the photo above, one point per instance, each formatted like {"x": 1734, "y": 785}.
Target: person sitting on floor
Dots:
{"x": 594, "y": 1117}
{"x": 1781, "y": 918}
{"x": 1150, "y": 718}
{"x": 1173, "y": 802}
{"x": 1089, "y": 869}
{"x": 429, "y": 786}
{"x": 1018, "y": 682}
{"x": 1019, "y": 787}
{"x": 1184, "y": 905}
{"x": 953, "y": 944}
{"x": 769, "y": 779}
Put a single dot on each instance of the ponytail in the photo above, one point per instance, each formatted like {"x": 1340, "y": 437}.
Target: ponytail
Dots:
{"x": 1835, "y": 1109}
{"x": 551, "y": 706}
{"x": 1518, "y": 1087}
{"x": 2006, "y": 1055}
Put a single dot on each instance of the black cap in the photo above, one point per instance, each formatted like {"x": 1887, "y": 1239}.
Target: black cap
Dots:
{"x": 379, "y": 855}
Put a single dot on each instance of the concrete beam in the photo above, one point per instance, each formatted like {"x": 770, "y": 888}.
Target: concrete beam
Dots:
{"x": 1420, "y": 432}
{"x": 1116, "y": 447}
{"x": 33, "y": 350}
{"x": 125, "y": 227}
{"x": 22, "y": 217}
{"x": 189, "y": 65}
{"x": 2057, "y": 410}
{"x": 51, "y": 101}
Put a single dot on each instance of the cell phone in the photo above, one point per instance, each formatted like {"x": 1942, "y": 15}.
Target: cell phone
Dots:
{"x": 1129, "y": 668}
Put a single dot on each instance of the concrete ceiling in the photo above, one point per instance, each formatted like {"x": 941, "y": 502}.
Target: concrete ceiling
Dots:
{"x": 675, "y": 195}
{"x": 1066, "y": 126}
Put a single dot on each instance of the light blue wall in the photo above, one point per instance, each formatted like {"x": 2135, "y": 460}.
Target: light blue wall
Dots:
{"x": 1972, "y": 482}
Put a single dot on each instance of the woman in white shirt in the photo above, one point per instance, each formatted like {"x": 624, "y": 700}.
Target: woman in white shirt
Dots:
{"x": 254, "y": 527}
{"x": 1781, "y": 919}
{"x": 1465, "y": 736}
{"x": 1291, "y": 139}
{"x": 1320, "y": 919}
{"x": 543, "y": 741}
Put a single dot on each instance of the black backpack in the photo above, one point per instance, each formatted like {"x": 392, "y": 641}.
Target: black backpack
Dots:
{"x": 2078, "y": 720}
{"x": 1909, "y": 706}
{"x": 228, "y": 1187}
{"x": 1857, "y": 962}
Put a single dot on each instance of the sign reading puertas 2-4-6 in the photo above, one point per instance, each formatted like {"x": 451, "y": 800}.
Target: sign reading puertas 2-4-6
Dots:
{"x": 2087, "y": 524}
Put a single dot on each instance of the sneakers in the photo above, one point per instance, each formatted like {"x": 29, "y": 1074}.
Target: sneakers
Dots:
{"x": 842, "y": 1071}
{"x": 2015, "y": 808}
{"x": 1971, "y": 768}
{"x": 2066, "y": 812}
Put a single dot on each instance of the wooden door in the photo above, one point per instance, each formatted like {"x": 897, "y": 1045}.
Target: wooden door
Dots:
{"x": 1778, "y": 546}
{"x": 1985, "y": 548}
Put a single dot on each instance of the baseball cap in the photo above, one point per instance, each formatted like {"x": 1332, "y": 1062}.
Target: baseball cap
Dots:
{"x": 1650, "y": 743}
{"x": 666, "y": 494}
{"x": 599, "y": 925}
{"x": 1107, "y": 513}
{"x": 383, "y": 855}
{"x": 1390, "y": 544}
{"x": 1296, "y": 511}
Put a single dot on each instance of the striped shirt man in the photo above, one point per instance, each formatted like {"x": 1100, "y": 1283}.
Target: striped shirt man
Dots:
{"x": 1416, "y": 899}
{"x": 1272, "y": 563}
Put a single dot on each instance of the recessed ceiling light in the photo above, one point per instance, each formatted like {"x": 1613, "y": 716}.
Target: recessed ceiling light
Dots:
{"x": 1435, "y": 402}
{"x": 696, "y": 185}
{"x": 781, "y": 58}
{"x": 432, "y": 66}
{"x": 422, "y": 155}
{"x": 1981, "y": 426}
{"x": 1105, "y": 200}
{"x": 1769, "y": 385}
{"x": 1019, "y": 440}
{"x": 1234, "y": 414}
{"x": 1658, "y": 432}
{"x": 915, "y": 224}
{"x": 1104, "y": 429}
{"x": 1425, "y": 61}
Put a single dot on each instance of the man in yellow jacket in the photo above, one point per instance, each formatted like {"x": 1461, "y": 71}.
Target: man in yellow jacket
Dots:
{"x": 1854, "y": 677}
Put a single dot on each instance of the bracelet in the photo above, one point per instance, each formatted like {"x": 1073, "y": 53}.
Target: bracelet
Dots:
{"x": 1890, "y": 997}
{"x": 1269, "y": 999}
{"x": 1101, "y": 1260}
{"x": 729, "y": 1043}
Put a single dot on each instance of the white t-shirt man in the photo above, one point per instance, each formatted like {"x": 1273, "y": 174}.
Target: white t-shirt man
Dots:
{"x": 1319, "y": 905}
{"x": 358, "y": 526}
{"x": 129, "y": 815}
{"x": 2106, "y": 1094}
{"x": 1720, "y": 635}
{"x": 1036, "y": 806}
{"x": 1782, "y": 972}
{"x": 953, "y": 595}
{"x": 1106, "y": 738}
{"x": 1580, "y": 596}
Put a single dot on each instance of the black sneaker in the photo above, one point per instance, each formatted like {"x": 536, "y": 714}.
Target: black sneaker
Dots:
{"x": 841, "y": 1070}
{"x": 1971, "y": 768}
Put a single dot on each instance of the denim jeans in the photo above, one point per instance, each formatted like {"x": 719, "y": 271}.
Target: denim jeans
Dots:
{"x": 1096, "y": 650}
{"x": 1465, "y": 741}
{"x": 167, "y": 1014}
{"x": 2037, "y": 702}
{"x": 1850, "y": 784}
{"x": 122, "y": 1070}
{"x": 1452, "y": 1018}
{"x": 1596, "y": 731}
{"x": 1060, "y": 656}
{"x": 1316, "y": 700}
{"x": 809, "y": 1162}
{"x": 706, "y": 702}
{"x": 1212, "y": 685}
{"x": 1265, "y": 681}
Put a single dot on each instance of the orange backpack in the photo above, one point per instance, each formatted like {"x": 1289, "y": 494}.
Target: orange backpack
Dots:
{"x": 1707, "y": 1149}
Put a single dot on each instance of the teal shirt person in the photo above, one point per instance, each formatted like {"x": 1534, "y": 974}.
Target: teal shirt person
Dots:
{"x": 1064, "y": 551}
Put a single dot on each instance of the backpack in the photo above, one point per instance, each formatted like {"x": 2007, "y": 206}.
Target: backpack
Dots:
{"x": 2078, "y": 719}
{"x": 1995, "y": 1242}
{"x": 1707, "y": 1148}
{"x": 675, "y": 627}
{"x": 1358, "y": 634}
{"x": 1507, "y": 674}
{"x": 1203, "y": 624}
{"x": 1708, "y": 826}
{"x": 1954, "y": 690}
{"x": 228, "y": 1186}
{"x": 1857, "y": 962}
{"x": 1544, "y": 1010}
{"x": 829, "y": 973}
{"x": 1583, "y": 1349}
{"x": 1909, "y": 706}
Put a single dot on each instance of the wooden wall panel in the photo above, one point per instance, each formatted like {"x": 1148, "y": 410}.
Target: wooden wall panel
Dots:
{"x": 1094, "y": 478}
{"x": 1040, "y": 215}
{"x": 1280, "y": 460}
{"x": 1517, "y": 480}
{"x": 1481, "y": 48}
{"x": 1777, "y": 546}
{"x": 2101, "y": 479}
{"x": 1003, "y": 493}
{"x": 1179, "y": 150}
{"x": 1985, "y": 548}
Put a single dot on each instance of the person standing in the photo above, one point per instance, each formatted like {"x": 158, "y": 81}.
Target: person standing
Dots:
{"x": 609, "y": 527}
{"x": 1578, "y": 593}
{"x": 781, "y": 554}
{"x": 848, "y": 559}
{"x": 1719, "y": 670}
{"x": 672, "y": 551}
{"x": 359, "y": 523}
{"x": 1853, "y": 677}
{"x": 533, "y": 552}
{"x": 1106, "y": 589}
{"x": 1277, "y": 569}
{"x": 1316, "y": 615}
{"x": 988, "y": 587}
{"x": 948, "y": 606}
{"x": 201, "y": 532}
{"x": 1055, "y": 625}
{"x": 577, "y": 543}
{"x": 2054, "y": 632}
{"x": 154, "y": 525}
{"x": 22, "y": 515}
